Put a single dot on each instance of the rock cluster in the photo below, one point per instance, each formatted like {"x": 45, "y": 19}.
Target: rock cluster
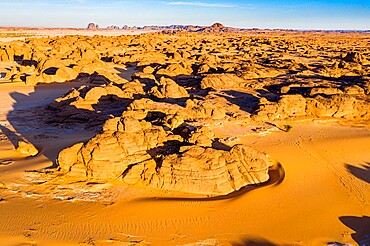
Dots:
{"x": 328, "y": 106}
{"x": 142, "y": 153}
{"x": 153, "y": 127}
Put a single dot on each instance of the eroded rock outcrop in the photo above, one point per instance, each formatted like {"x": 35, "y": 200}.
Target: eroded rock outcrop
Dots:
{"x": 295, "y": 106}
{"x": 167, "y": 88}
{"x": 154, "y": 128}
{"x": 141, "y": 153}
{"x": 221, "y": 81}
{"x": 27, "y": 148}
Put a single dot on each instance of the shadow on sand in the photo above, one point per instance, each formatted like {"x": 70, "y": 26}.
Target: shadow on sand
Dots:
{"x": 11, "y": 136}
{"x": 361, "y": 226}
{"x": 29, "y": 119}
{"x": 361, "y": 173}
{"x": 253, "y": 241}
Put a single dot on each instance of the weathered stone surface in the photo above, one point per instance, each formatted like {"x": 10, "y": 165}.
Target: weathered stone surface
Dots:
{"x": 141, "y": 153}
{"x": 202, "y": 170}
{"x": 167, "y": 88}
{"x": 65, "y": 74}
{"x": 336, "y": 106}
{"x": 339, "y": 106}
{"x": 221, "y": 81}
{"x": 6, "y": 54}
{"x": 27, "y": 148}
{"x": 204, "y": 109}
{"x": 174, "y": 70}
{"x": 325, "y": 91}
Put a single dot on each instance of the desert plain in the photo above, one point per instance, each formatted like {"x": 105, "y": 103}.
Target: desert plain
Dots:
{"x": 207, "y": 137}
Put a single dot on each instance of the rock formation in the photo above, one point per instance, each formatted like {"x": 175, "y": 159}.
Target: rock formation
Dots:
{"x": 27, "y": 148}
{"x": 153, "y": 99}
{"x": 167, "y": 88}
{"x": 92, "y": 26}
{"x": 141, "y": 153}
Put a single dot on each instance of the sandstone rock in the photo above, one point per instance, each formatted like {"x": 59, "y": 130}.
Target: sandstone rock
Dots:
{"x": 124, "y": 147}
{"x": 216, "y": 28}
{"x": 27, "y": 148}
{"x": 207, "y": 109}
{"x": 69, "y": 157}
{"x": 6, "y": 54}
{"x": 148, "y": 105}
{"x": 51, "y": 64}
{"x": 119, "y": 60}
{"x": 141, "y": 153}
{"x": 202, "y": 136}
{"x": 325, "y": 91}
{"x": 148, "y": 69}
{"x": 209, "y": 171}
{"x": 32, "y": 80}
{"x": 204, "y": 68}
{"x": 89, "y": 55}
{"x": 167, "y": 88}
{"x": 287, "y": 106}
{"x": 354, "y": 90}
{"x": 221, "y": 81}
{"x": 339, "y": 106}
{"x": 173, "y": 70}
{"x": 292, "y": 105}
{"x": 173, "y": 121}
{"x": 65, "y": 74}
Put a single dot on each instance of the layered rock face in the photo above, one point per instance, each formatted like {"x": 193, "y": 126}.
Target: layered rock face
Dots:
{"x": 332, "y": 106}
{"x": 167, "y": 88}
{"x": 141, "y": 153}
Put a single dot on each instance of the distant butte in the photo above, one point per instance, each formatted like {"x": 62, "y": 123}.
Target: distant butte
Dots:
{"x": 216, "y": 27}
{"x": 92, "y": 26}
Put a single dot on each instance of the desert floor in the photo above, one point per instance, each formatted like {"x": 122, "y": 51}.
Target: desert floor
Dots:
{"x": 321, "y": 193}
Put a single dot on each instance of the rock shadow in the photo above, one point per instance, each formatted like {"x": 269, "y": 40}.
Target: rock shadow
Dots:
{"x": 11, "y": 136}
{"x": 342, "y": 81}
{"x": 29, "y": 119}
{"x": 361, "y": 173}
{"x": 246, "y": 101}
{"x": 253, "y": 241}
{"x": 361, "y": 226}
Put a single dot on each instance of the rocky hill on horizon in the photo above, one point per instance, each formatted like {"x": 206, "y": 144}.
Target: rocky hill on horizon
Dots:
{"x": 216, "y": 27}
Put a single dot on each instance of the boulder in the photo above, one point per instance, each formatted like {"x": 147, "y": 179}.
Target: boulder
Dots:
{"x": 27, "y": 148}
{"x": 167, "y": 88}
{"x": 221, "y": 81}
{"x": 65, "y": 74}
{"x": 173, "y": 70}
{"x": 203, "y": 170}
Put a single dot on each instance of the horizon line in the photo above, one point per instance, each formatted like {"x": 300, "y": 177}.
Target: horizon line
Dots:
{"x": 240, "y": 28}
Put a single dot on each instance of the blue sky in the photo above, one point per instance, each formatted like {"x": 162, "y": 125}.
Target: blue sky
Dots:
{"x": 303, "y": 14}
